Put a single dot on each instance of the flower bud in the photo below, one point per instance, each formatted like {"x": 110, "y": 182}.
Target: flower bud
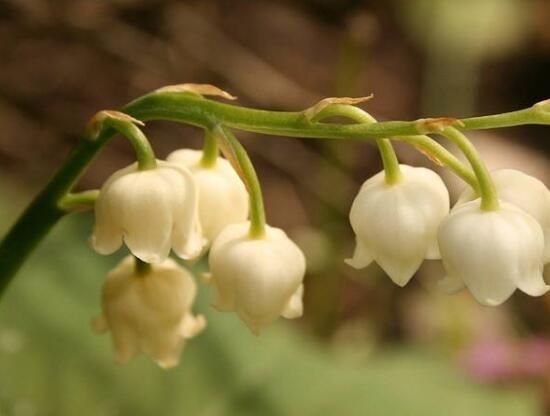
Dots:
{"x": 525, "y": 192}
{"x": 152, "y": 210}
{"x": 492, "y": 252}
{"x": 396, "y": 224}
{"x": 223, "y": 198}
{"x": 149, "y": 313}
{"x": 259, "y": 278}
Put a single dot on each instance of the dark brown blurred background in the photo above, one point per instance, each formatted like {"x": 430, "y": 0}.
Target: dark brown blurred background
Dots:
{"x": 61, "y": 61}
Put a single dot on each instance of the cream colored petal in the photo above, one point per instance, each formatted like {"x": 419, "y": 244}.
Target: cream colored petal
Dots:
{"x": 433, "y": 251}
{"x": 223, "y": 199}
{"x": 165, "y": 348}
{"x": 491, "y": 290}
{"x": 140, "y": 204}
{"x": 493, "y": 252}
{"x": 167, "y": 360}
{"x": 467, "y": 257}
{"x": 295, "y": 306}
{"x": 525, "y": 192}
{"x": 361, "y": 256}
{"x": 223, "y": 280}
{"x": 188, "y": 241}
{"x": 147, "y": 218}
{"x": 192, "y": 325}
{"x": 533, "y": 284}
{"x": 529, "y": 279}
{"x": 224, "y": 292}
{"x": 125, "y": 343}
{"x": 279, "y": 267}
{"x": 398, "y": 223}
{"x": 230, "y": 234}
{"x": 400, "y": 270}
{"x": 108, "y": 235}
{"x": 189, "y": 158}
{"x": 259, "y": 276}
{"x": 150, "y": 313}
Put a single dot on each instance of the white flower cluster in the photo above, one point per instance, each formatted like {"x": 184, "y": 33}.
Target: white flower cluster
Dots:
{"x": 149, "y": 313}
{"x": 490, "y": 252}
{"x": 185, "y": 206}
{"x": 190, "y": 207}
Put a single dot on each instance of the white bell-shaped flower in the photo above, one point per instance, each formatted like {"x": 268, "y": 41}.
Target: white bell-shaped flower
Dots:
{"x": 259, "y": 278}
{"x": 151, "y": 210}
{"x": 396, "y": 224}
{"x": 525, "y": 192}
{"x": 223, "y": 198}
{"x": 149, "y": 313}
{"x": 492, "y": 252}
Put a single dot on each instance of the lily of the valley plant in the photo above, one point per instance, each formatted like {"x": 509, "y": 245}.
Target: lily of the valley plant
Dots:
{"x": 208, "y": 202}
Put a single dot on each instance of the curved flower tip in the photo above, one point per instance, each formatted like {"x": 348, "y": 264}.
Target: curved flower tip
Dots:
{"x": 400, "y": 271}
{"x": 396, "y": 225}
{"x": 258, "y": 278}
{"x": 152, "y": 211}
{"x": 295, "y": 306}
{"x": 149, "y": 313}
{"x": 361, "y": 256}
{"x": 493, "y": 252}
{"x": 223, "y": 198}
{"x": 525, "y": 192}
{"x": 188, "y": 242}
{"x": 192, "y": 325}
{"x": 169, "y": 357}
{"x": 433, "y": 253}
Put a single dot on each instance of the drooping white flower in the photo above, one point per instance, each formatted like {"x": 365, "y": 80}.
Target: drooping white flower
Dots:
{"x": 149, "y": 313}
{"x": 396, "y": 224}
{"x": 492, "y": 252}
{"x": 259, "y": 278}
{"x": 223, "y": 198}
{"x": 151, "y": 210}
{"x": 525, "y": 192}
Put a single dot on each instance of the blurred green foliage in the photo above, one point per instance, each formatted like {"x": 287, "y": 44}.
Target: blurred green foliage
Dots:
{"x": 52, "y": 364}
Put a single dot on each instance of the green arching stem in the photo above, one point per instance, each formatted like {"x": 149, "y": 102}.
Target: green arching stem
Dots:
{"x": 392, "y": 171}
{"x": 387, "y": 152}
{"x": 442, "y": 156}
{"x": 144, "y": 152}
{"x": 536, "y": 114}
{"x": 79, "y": 201}
{"x": 141, "y": 267}
{"x": 44, "y": 211}
{"x": 487, "y": 189}
{"x": 210, "y": 151}
{"x": 237, "y": 155}
{"x": 188, "y": 108}
{"x": 427, "y": 144}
